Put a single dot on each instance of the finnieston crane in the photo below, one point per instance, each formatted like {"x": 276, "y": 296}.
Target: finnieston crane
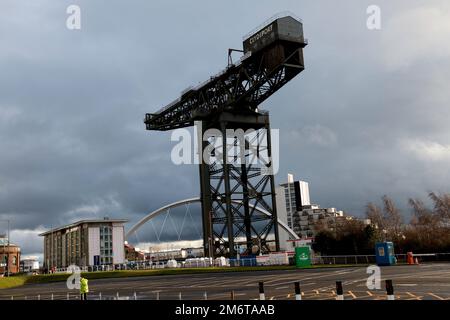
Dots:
{"x": 272, "y": 56}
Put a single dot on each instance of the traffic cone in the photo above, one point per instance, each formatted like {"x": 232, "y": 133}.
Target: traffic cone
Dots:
{"x": 410, "y": 258}
{"x": 417, "y": 261}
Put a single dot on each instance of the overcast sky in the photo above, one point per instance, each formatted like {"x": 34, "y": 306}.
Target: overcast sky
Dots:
{"x": 369, "y": 116}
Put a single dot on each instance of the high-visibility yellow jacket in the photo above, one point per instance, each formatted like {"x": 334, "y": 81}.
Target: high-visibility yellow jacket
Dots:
{"x": 84, "y": 287}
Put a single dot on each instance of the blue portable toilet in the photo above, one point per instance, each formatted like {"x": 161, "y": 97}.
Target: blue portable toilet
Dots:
{"x": 384, "y": 252}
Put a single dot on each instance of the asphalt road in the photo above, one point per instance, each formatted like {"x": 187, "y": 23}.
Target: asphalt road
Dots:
{"x": 418, "y": 282}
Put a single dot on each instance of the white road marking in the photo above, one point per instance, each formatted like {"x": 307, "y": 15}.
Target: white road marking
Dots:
{"x": 435, "y": 296}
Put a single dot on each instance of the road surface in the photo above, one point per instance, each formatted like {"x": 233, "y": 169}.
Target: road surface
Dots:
{"x": 417, "y": 282}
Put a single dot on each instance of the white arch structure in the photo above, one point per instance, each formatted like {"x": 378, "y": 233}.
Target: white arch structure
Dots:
{"x": 195, "y": 200}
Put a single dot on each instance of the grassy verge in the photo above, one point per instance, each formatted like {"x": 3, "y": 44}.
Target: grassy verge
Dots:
{"x": 16, "y": 281}
{"x": 11, "y": 282}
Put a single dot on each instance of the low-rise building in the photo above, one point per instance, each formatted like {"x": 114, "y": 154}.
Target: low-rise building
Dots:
{"x": 183, "y": 253}
{"x": 166, "y": 255}
{"x": 9, "y": 257}
{"x": 195, "y": 252}
{"x": 85, "y": 243}
{"x": 132, "y": 253}
{"x": 306, "y": 220}
{"x": 29, "y": 265}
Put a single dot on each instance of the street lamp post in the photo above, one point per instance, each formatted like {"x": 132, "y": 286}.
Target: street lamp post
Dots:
{"x": 7, "y": 256}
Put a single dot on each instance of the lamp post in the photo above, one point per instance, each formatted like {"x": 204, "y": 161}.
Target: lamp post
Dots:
{"x": 7, "y": 254}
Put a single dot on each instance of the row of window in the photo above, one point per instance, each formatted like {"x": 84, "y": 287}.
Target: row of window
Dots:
{"x": 106, "y": 244}
{"x": 72, "y": 246}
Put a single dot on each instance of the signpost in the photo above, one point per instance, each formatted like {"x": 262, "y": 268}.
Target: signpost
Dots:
{"x": 302, "y": 257}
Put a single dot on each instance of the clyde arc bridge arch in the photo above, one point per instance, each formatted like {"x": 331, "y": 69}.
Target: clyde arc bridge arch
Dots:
{"x": 165, "y": 211}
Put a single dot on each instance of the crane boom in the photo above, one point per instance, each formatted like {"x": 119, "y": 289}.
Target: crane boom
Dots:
{"x": 240, "y": 87}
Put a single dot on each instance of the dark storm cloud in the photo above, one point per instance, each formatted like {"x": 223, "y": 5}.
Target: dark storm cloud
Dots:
{"x": 368, "y": 116}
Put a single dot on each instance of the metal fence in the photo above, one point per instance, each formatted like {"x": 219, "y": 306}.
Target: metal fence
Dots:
{"x": 148, "y": 265}
{"x": 352, "y": 259}
{"x": 247, "y": 262}
{"x": 370, "y": 259}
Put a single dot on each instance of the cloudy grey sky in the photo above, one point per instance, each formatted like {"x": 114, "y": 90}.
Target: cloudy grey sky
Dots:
{"x": 369, "y": 115}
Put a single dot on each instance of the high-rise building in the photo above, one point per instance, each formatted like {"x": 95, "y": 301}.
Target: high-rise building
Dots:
{"x": 85, "y": 243}
{"x": 292, "y": 196}
{"x": 294, "y": 208}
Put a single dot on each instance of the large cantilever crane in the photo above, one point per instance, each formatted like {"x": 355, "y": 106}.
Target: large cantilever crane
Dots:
{"x": 229, "y": 100}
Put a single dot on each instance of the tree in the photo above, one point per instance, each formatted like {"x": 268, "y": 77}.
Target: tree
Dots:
{"x": 422, "y": 216}
{"x": 350, "y": 237}
{"x": 324, "y": 242}
{"x": 441, "y": 205}
{"x": 393, "y": 219}
{"x": 428, "y": 231}
{"x": 374, "y": 213}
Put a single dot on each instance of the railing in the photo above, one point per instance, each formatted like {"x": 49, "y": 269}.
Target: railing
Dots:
{"x": 425, "y": 257}
{"x": 351, "y": 259}
{"x": 369, "y": 259}
{"x": 269, "y": 21}
{"x": 246, "y": 262}
{"x": 148, "y": 265}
